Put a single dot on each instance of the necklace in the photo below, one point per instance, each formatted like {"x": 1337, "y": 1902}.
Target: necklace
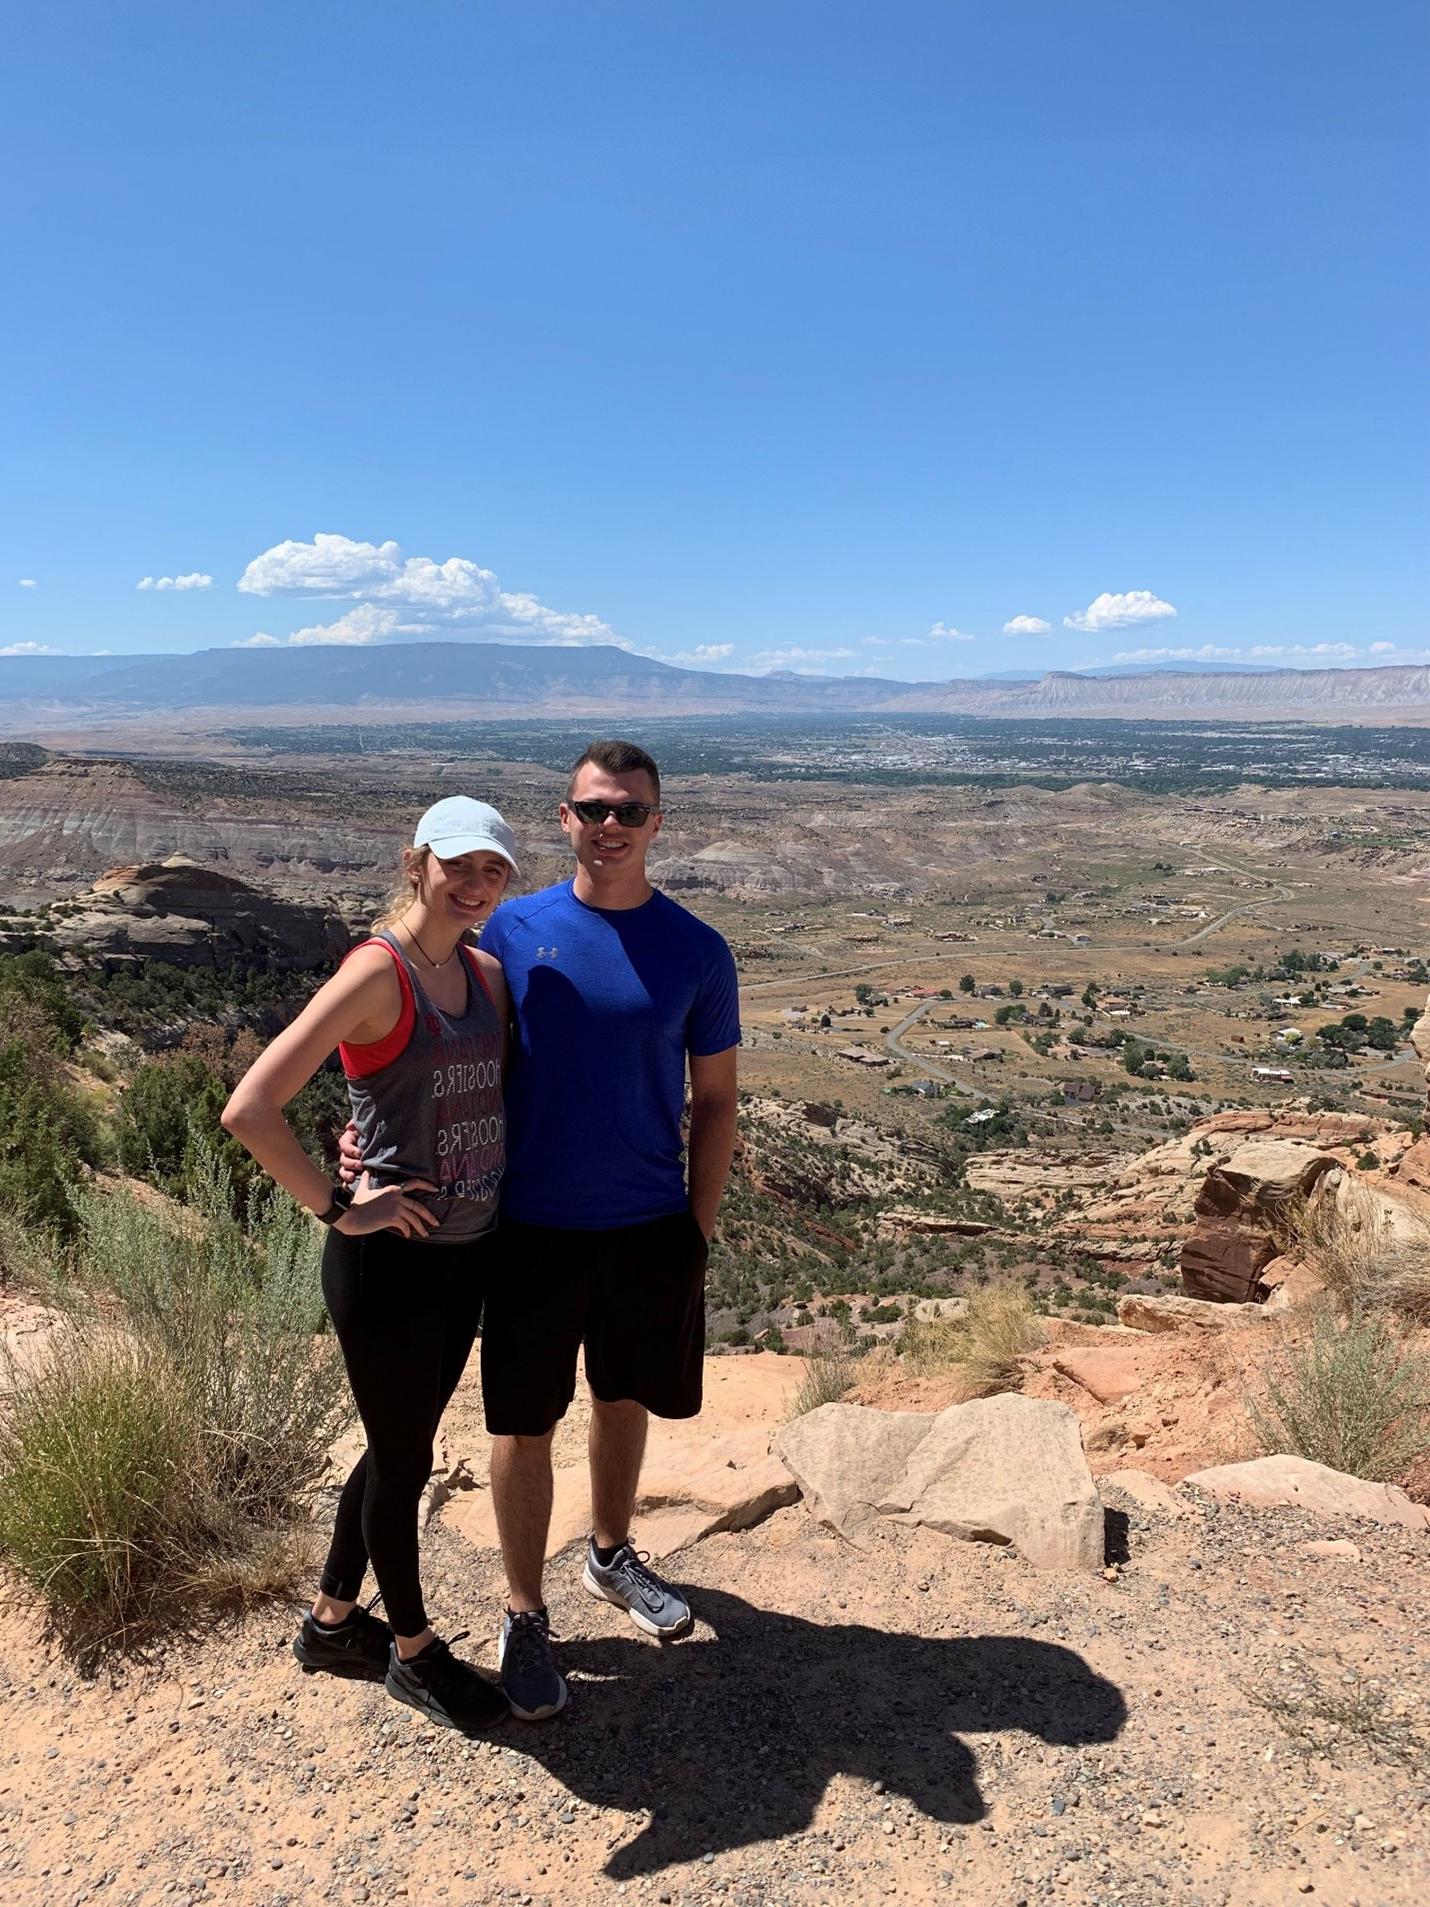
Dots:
{"x": 435, "y": 965}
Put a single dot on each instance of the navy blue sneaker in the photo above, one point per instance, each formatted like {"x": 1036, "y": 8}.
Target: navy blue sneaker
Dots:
{"x": 529, "y": 1676}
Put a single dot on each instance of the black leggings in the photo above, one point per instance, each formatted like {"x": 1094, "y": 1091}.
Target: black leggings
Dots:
{"x": 406, "y": 1315}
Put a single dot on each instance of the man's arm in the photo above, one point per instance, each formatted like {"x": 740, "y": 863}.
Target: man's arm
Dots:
{"x": 712, "y": 1132}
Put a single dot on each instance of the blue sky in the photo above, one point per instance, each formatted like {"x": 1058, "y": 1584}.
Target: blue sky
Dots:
{"x": 766, "y": 333}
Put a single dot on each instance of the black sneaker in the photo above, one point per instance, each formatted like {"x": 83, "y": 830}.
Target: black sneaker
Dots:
{"x": 358, "y": 1647}
{"x": 446, "y": 1690}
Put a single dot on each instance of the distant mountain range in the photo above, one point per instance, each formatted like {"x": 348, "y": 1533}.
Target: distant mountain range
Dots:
{"x": 435, "y": 679}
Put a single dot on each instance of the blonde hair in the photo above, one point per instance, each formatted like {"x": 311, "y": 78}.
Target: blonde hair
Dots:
{"x": 407, "y": 889}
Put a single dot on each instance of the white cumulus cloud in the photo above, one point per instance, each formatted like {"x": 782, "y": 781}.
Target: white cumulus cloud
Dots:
{"x": 426, "y": 598}
{"x": 1323, "y": 651}
{"x": 260, "y": 641}
{"x": 796, "y": 658}
{"x": 1120, "y": 612}
{"x": 702, "y": 652}
{"x": 195, "y": 579}
{"x": 1208, "y": 652}
{"x": 30, "y": 649}
{"x": 943, "y": 632}
{"x": 28, "y": 582}
{"x": 1026, "y": 626}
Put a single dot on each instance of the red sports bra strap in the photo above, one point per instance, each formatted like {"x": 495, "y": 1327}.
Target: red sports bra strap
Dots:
{"x": 358, "y": 1060}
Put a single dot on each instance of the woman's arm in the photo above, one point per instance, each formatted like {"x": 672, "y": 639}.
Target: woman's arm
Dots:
{"x": 361, "y": 1002}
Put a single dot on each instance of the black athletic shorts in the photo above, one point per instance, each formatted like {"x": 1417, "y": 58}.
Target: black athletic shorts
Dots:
{"x": 634, "y": 1298}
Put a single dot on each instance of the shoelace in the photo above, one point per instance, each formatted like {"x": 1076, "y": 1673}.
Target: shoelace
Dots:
{"x": 632, "y": 1564}
{"x": 441, "y": 1670}
{"x": 528, "y": 1641}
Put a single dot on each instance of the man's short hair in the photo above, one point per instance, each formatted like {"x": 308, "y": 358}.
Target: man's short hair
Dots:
{"x": 617, "y": 758}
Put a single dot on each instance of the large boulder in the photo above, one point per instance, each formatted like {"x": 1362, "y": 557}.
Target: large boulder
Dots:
{"x": 1006, "y": 1470}
{"x": 1295, "y": 1483}
{"x": 848, "y": 1459}
{"x": 1420, "y": 1040}
{"x": 1241, "y": 1211}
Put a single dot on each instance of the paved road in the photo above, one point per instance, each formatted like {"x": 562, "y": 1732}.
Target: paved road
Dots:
{"x": 1278, "y": 893}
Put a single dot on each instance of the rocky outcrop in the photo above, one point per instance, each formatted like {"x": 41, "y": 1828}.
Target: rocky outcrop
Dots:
{"x": 1006, "y": 1470}
{"x": 191, "y": 916}
{"x": 1420, "y": 1040}
{"x": 1241, "y": 1209}
{"x": 1171, "y": 1313}
{"x": 1295, "y": 1483}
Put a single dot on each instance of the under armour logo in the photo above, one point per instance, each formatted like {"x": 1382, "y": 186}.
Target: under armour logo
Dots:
{"x": 546, "y": 953}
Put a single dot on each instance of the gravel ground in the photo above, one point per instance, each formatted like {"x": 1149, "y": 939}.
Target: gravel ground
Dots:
{"x": 923, "y": 1719}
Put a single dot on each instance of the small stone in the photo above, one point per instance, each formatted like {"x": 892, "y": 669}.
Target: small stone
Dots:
{"x": 880, "y": 1787}
{"x": 1059, "y": 1805}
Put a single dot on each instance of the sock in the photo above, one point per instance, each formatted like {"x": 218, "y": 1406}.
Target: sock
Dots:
{"x": 605, "y": 1557}
{"x": 329, "y": 1627}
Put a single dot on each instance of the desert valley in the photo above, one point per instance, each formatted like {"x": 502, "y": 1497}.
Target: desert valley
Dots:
{"x": 1083, "y": 1076}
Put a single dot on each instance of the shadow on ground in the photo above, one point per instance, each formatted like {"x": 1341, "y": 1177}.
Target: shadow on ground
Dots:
{"x": 733, "y": 1738}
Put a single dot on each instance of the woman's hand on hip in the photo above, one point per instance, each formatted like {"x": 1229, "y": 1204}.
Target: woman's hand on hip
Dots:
{"x": 388, "y": 1209}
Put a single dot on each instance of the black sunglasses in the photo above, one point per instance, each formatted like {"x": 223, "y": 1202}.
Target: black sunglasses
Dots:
{"x": 629, "y": 814}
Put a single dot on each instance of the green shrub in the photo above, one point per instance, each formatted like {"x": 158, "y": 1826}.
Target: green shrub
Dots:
{"x": 1353, "y": 1395}
{"x": 98, "y": 1456}
{"x": 180, "y": 1427}
{"x": 47, "y": 1132}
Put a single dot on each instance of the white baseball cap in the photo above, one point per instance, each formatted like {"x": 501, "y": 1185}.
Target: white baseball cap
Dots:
{"x": 460, "y": 825}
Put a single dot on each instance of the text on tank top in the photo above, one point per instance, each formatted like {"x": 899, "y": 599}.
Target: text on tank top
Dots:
{"x": 427, "y": 1100}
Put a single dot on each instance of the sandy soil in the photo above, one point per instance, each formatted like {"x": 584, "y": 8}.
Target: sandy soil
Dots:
{"x": 920, "y": 1719}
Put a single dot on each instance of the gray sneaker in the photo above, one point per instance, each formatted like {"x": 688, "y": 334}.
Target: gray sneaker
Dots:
{"x": 626, "y": 1581}
{"x": 529, "y": 1676}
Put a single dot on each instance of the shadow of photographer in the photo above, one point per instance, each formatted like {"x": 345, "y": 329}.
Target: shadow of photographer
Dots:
{"x": 732, "y": 1739}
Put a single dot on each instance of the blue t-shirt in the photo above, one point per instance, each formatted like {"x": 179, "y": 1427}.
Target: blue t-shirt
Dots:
{"x": 607, "y": 1005}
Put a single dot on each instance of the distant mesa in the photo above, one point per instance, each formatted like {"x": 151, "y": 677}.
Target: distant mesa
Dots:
{"x": 185, "y": 915}
{"x": 501, "y": 679}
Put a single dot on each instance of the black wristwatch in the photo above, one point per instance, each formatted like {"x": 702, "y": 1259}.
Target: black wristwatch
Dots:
{"x": 342, "y": 1199}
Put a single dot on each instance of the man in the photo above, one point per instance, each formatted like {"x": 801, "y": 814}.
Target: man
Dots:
{"x": 604, "y": 1231}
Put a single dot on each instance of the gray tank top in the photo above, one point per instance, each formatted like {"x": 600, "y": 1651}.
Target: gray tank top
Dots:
{"x": 427, "y": 1101}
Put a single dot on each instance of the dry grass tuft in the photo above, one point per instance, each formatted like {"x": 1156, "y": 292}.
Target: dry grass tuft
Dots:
{"x": 983, "y": 1348}
{"x": 1327, "y": 1709}
{"x": 829, "y": 1376}
{"x": 1367, "y": 1259}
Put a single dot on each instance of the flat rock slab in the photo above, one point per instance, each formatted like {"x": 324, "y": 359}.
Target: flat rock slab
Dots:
{"x": 702, "y": 1474}
{"x": 1007, "y": 1470}
{"x": 1293, "y": 1483}
{"x": 1108, "y": 1373}
{"x": 691, "y": 1487}
{"x": 1171, "y": 1313}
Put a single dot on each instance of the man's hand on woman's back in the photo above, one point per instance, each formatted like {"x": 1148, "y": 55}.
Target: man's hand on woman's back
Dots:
{"x": 349, "y": 1155}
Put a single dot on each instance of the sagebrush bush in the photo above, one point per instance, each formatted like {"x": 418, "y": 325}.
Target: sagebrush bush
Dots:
{"x": 98, "y": 1478}
{"x": 237, "y": 1309}
{"x": 189, "y": 1408}
{"x": 1353, "y": 1394}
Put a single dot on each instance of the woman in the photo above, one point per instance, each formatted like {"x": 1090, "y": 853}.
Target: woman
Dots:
{"x": 419, "y": 1020}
